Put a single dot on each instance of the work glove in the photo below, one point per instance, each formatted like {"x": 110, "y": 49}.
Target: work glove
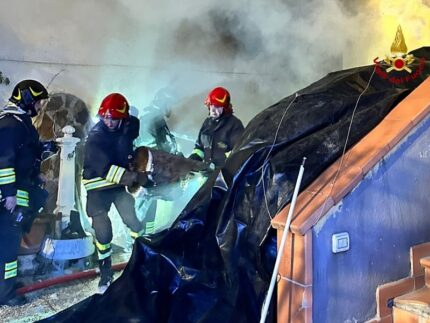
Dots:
{"x": 10, "y": 203}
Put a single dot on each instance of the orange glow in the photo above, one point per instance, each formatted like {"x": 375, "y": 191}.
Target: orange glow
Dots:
{"x": 387, "y": 15}
{"x": 412, "y": 15}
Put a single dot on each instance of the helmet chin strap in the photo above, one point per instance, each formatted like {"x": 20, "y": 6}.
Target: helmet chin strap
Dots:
{"x": 27, "y": 103}
{"x": 29, "y": 109}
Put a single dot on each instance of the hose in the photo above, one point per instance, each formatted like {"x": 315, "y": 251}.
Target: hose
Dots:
{"x": 66, "y": 278}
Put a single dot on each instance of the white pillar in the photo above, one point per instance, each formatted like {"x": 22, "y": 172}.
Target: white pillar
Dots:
{"x": 66, "y": 180}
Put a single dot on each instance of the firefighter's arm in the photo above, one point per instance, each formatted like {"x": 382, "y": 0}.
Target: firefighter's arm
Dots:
{"x": 235, "y": 134}
{"x": 9, "y": 145}
{"x": 198, "y": 152}
{"x": 119, "y": 175}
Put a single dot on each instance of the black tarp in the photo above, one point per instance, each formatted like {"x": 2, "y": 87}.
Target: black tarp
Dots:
{"x": 214, "y": 264}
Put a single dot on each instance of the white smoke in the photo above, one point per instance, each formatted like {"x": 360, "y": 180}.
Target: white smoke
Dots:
{"x": 262, "y": 51}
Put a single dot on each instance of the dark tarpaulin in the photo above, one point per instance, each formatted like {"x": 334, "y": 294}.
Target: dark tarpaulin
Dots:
{"x": 214, "y": 264}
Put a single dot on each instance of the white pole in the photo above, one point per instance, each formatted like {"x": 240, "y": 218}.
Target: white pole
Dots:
{"x": 66, "y": 179}
{"x": 266, "y": 303}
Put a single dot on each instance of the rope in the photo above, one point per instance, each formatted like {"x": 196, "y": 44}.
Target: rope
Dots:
{"x": 345, "y": 145}
{"x": 270, "y": 150}
{"x": 294, "y": 282}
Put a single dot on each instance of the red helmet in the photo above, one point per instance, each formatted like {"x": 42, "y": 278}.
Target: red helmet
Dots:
{"x": 219, "y": 97}
{"x": 114, "y": 106}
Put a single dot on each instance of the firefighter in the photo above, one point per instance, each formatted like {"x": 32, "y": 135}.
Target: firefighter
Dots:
{"x": 220, "y": 131}
{"x": 20, "y": 152}
{"x": 154, "y": 132}
{"x": 108, "y": 148}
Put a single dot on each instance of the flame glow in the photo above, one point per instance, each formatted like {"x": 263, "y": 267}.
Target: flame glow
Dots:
{"x": 412, "y": 15}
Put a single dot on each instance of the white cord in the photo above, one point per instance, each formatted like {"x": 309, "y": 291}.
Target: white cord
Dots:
{"x": 266, "y": 302}
{"x": 342, "y": 156}
{"x": 270, "y": 150}
{"x": 294, "y": 282}
{"x": 346, "y": 143}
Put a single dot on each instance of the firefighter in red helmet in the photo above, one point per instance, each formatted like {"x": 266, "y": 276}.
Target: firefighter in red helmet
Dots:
{"x": 107, "y": 151}
{"x": 220, "y": 131}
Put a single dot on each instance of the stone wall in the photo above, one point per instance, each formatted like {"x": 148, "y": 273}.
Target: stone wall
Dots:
{"x": 63, "y": 109}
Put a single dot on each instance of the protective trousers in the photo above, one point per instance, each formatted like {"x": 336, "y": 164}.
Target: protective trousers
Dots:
{"x": 98, "y": 205}
{"x": 10, "y": 238}
{"x": 149, "y": 219}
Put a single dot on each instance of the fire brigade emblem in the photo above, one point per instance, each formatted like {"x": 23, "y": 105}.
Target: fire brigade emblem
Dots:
{"x": 399, "y": 62}
{"x": 399, "y": 59}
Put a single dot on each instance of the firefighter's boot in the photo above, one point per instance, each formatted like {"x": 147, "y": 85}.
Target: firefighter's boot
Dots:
{"x": 106, "y": 274}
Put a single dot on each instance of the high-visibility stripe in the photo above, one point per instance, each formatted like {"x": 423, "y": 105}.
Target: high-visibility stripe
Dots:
{"x": 111, "y": 173}
{"x": 135, "y": 235}
{"x": 93, "y": 180}
{"x": 102, "y": 246}
{"x": 115, "y": 173}
{"x": 227, "y": 154}
{"x": 104, "y": 255}
{"x": 118, "y": 175}
{"x": 10, "y": 274}
{"x": 104, "y": 250}
{"x": 11, "y": 265}
{"x": 96, "y": 183}
{"x": 87, "y": 181}
{"x": 113, "y": 177}
{"x": 149, "y": 228}
{"x": 7, "y": 171}
{"x": 23, "y": 194}
{"x": 7, "y": 176}
{"x": 22, "y": 198}
{"x": 7, "y": 179}
{"x": 22, "y": 202}
{"x": 199, "y": 153}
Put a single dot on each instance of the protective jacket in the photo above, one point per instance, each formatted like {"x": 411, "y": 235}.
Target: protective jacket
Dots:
{"x": 107, "y": 154}
{"x": 217, "y": 138}
{"x": 20, "y": 152}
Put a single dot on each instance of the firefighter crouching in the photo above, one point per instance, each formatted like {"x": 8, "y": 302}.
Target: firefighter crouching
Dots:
{"x": 21, "y": 198}
{"x": 220, "y": 131}
{"x": 107, "y": 150}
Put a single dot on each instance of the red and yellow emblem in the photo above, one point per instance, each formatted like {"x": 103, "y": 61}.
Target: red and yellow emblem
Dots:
{"x": 399, "y": 59}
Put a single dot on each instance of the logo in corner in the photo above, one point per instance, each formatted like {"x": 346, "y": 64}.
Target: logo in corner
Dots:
{"x": 398, "y": 61}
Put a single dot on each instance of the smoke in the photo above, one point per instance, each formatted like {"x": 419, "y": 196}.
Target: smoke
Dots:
{"x": 262, "y": 51}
